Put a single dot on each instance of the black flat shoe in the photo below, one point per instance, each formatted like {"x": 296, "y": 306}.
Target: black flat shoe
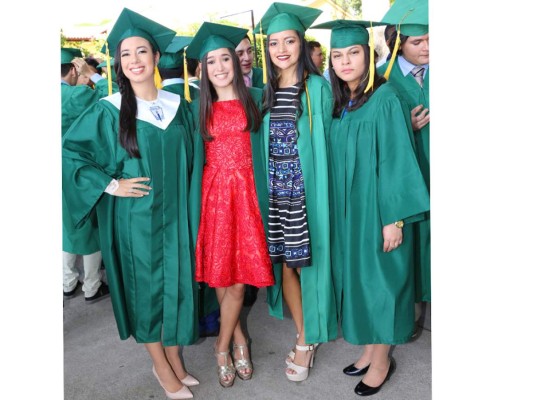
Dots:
{"x": 352, "y": 370}
{"x": 362, "y": 389}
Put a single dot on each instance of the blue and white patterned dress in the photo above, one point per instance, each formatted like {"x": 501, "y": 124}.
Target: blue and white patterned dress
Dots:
{"x": 288, "y": 233}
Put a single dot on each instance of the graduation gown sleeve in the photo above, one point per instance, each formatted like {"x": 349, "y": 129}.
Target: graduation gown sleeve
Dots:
{"x": 414, "y": 95}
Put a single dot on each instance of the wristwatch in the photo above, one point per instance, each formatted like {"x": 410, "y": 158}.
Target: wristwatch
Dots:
{"x": 399, "y": 224}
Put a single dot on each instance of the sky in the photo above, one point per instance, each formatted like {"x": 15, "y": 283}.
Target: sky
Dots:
{"x": 171, "y": 17}
{"x": 480, "y": 196}
{"x": 174, "y": 16}
{"x": 238, "y": 11}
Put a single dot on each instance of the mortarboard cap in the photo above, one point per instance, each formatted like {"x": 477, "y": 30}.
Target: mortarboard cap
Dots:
{"x": 111, "y": 71}
{"x": 172, "y": 57}
{"x": 283, "y": 16}
{"x": 130, "y": 23}
{"x": 103, "y": 64}
{"x": 346, "y": 33}
{"x": 69, "y": 53}
{"x": 411, "y": 15}
{"x": 213, "y": 36}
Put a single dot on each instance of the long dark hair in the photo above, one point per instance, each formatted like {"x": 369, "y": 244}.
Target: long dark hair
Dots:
{"x": 128, "y": 108}
{"x": 304, "y": 67}
{"x": 208, "y": 96}
{"x": 342, "y": 93}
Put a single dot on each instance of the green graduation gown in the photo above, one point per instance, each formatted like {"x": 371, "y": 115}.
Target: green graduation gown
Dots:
{"x": 257, "y": 78}
{"x": 374, "y": 181}
{"x": 318, "y": 299}
{"x": 415, "y": 95}
{"x": 74, "y": 101}
{"x": 209, "y": 300}
{"x": 179, "y": 88}
{"x": 146, "y": 242}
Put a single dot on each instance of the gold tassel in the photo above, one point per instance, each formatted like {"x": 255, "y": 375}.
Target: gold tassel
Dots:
{"x": 393, "y": 57}
{"x": 309, "y": 109}
{"x": 372, "y": 65}
{"x": 186, "y": 90}
{"x": 263, "y": 59}
{"x": 157, "y": 78}
{"x": 109, "y": 73}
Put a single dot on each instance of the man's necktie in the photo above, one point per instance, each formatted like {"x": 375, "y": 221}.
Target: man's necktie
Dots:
{"x": 418, "y": 74}
{"x": 247, "y": 81}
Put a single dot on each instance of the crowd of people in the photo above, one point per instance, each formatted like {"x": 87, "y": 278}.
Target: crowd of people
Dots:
{"x": 193, "y": 178}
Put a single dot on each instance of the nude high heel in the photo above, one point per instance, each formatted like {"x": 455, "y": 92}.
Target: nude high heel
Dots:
{"x": 190, "y": 380}
{"x": 183, "y": 393}
{"x": 301, "y": 372}
{"x": 290, "y": 354}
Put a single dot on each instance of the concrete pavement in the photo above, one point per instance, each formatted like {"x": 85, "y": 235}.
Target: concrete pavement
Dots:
{"x": 98, "y": 365}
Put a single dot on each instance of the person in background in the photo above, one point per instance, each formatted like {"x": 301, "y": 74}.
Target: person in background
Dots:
{"x": 94, "y": 62}
{"x": 377, "y": 191}
{"x": 85, "y": 79}
{"x": 409, "y": 74}
{"x": 387, "y": 33}
{"x": 129, "y": 157}
{"x": 194, "y": 67}
{"x": 297, "y": 108}
{"x": 83, "y": 241}
{"x": 231, "y": 248}
{"x": 315, "y": 50}
{"x": 105, "y": 72}
{"x": 171, "y": 67}
{"x": 253, "y": 76}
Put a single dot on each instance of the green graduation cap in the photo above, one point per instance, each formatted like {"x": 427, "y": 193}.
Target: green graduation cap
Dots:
{"x": 172, "y": 57}
{"x": 130, "y": 23}
{"x": 284, "y": 16}
{"x": 69, "y": 53}
{"x": 410, "y": 15}
{"x": 111, "y": 71}
{"x": 346, "y": 33}
{"x": 103, "y": 64}
{"x": 213, "y": 36}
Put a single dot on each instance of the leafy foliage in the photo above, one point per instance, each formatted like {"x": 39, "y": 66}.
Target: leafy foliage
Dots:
{"x": 356, "y": 6}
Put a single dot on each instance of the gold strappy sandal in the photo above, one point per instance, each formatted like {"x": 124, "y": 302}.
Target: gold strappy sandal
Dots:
{"x": 242, "y": 364}
{"x": 225, "y": 371}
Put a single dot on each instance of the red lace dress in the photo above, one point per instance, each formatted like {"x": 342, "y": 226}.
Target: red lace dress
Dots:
{"x": 231, "y": 246}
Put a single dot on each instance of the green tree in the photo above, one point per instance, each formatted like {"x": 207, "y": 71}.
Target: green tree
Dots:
{"x": 88, "y": 48}
{"x": 354, "y": 6}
